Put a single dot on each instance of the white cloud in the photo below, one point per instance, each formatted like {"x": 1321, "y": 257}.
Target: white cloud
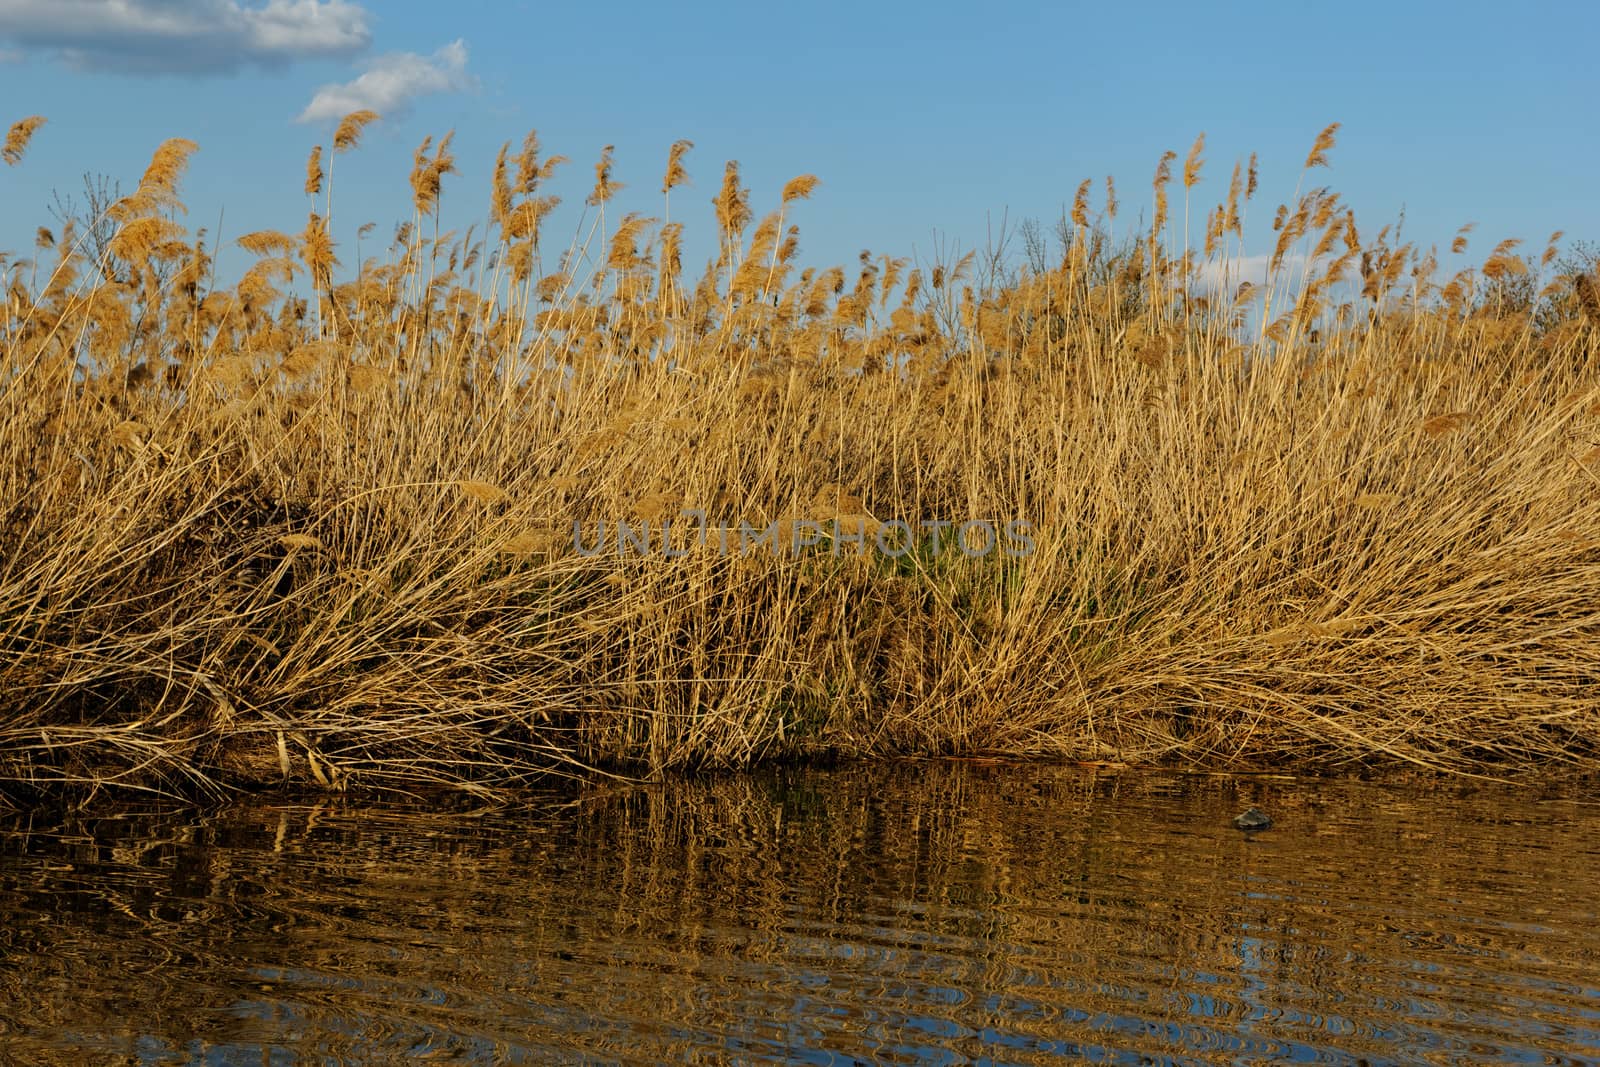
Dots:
{"x": 184, "y": 36}
{"x": 391, "y": 82}
{"x": 1213, "y": 274}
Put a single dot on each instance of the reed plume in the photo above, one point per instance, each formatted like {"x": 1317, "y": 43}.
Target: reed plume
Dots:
{"x": 604, "y": 187}
{"x": 17, "y": 138}
{"x": 427, "y": 174}
{"x": 799, "y": 188}
{"x": 1194, "y": 162}
{"x": 732, "y": 203}
{"x": 158, "y": 188}
{"x": 676, "y": 174}
{"x": 1318, "y": 156}
{"x": 314, "y": 172}
{"x": 1080, "y": 205}
{"x": 348, "y": 133}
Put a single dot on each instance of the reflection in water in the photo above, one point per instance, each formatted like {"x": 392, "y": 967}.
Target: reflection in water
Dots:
{"x": 924, "y": 913}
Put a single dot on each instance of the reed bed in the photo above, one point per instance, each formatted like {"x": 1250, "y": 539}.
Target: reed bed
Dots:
{"x": 317, "y": 527}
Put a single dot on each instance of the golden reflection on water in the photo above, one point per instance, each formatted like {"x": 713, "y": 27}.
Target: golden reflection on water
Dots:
{"x": 913, "y": 913}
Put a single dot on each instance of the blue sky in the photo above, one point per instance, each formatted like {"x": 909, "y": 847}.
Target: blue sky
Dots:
{"x": 921, "y": 119}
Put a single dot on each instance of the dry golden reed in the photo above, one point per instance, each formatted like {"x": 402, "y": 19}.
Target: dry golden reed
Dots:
{"x": 475, "y": 508}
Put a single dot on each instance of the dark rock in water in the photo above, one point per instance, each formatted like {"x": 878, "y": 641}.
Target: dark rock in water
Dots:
{"x": 1252, "y": 820}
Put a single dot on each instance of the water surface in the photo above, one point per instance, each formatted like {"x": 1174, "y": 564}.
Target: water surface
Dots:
{"x": 939, "y": 913}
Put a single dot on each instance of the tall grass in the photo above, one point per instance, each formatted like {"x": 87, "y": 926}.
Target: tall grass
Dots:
{"x": 321, "y": 530}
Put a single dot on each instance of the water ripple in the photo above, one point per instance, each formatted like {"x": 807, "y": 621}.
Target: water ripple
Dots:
{"x": 961, "y": 914}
